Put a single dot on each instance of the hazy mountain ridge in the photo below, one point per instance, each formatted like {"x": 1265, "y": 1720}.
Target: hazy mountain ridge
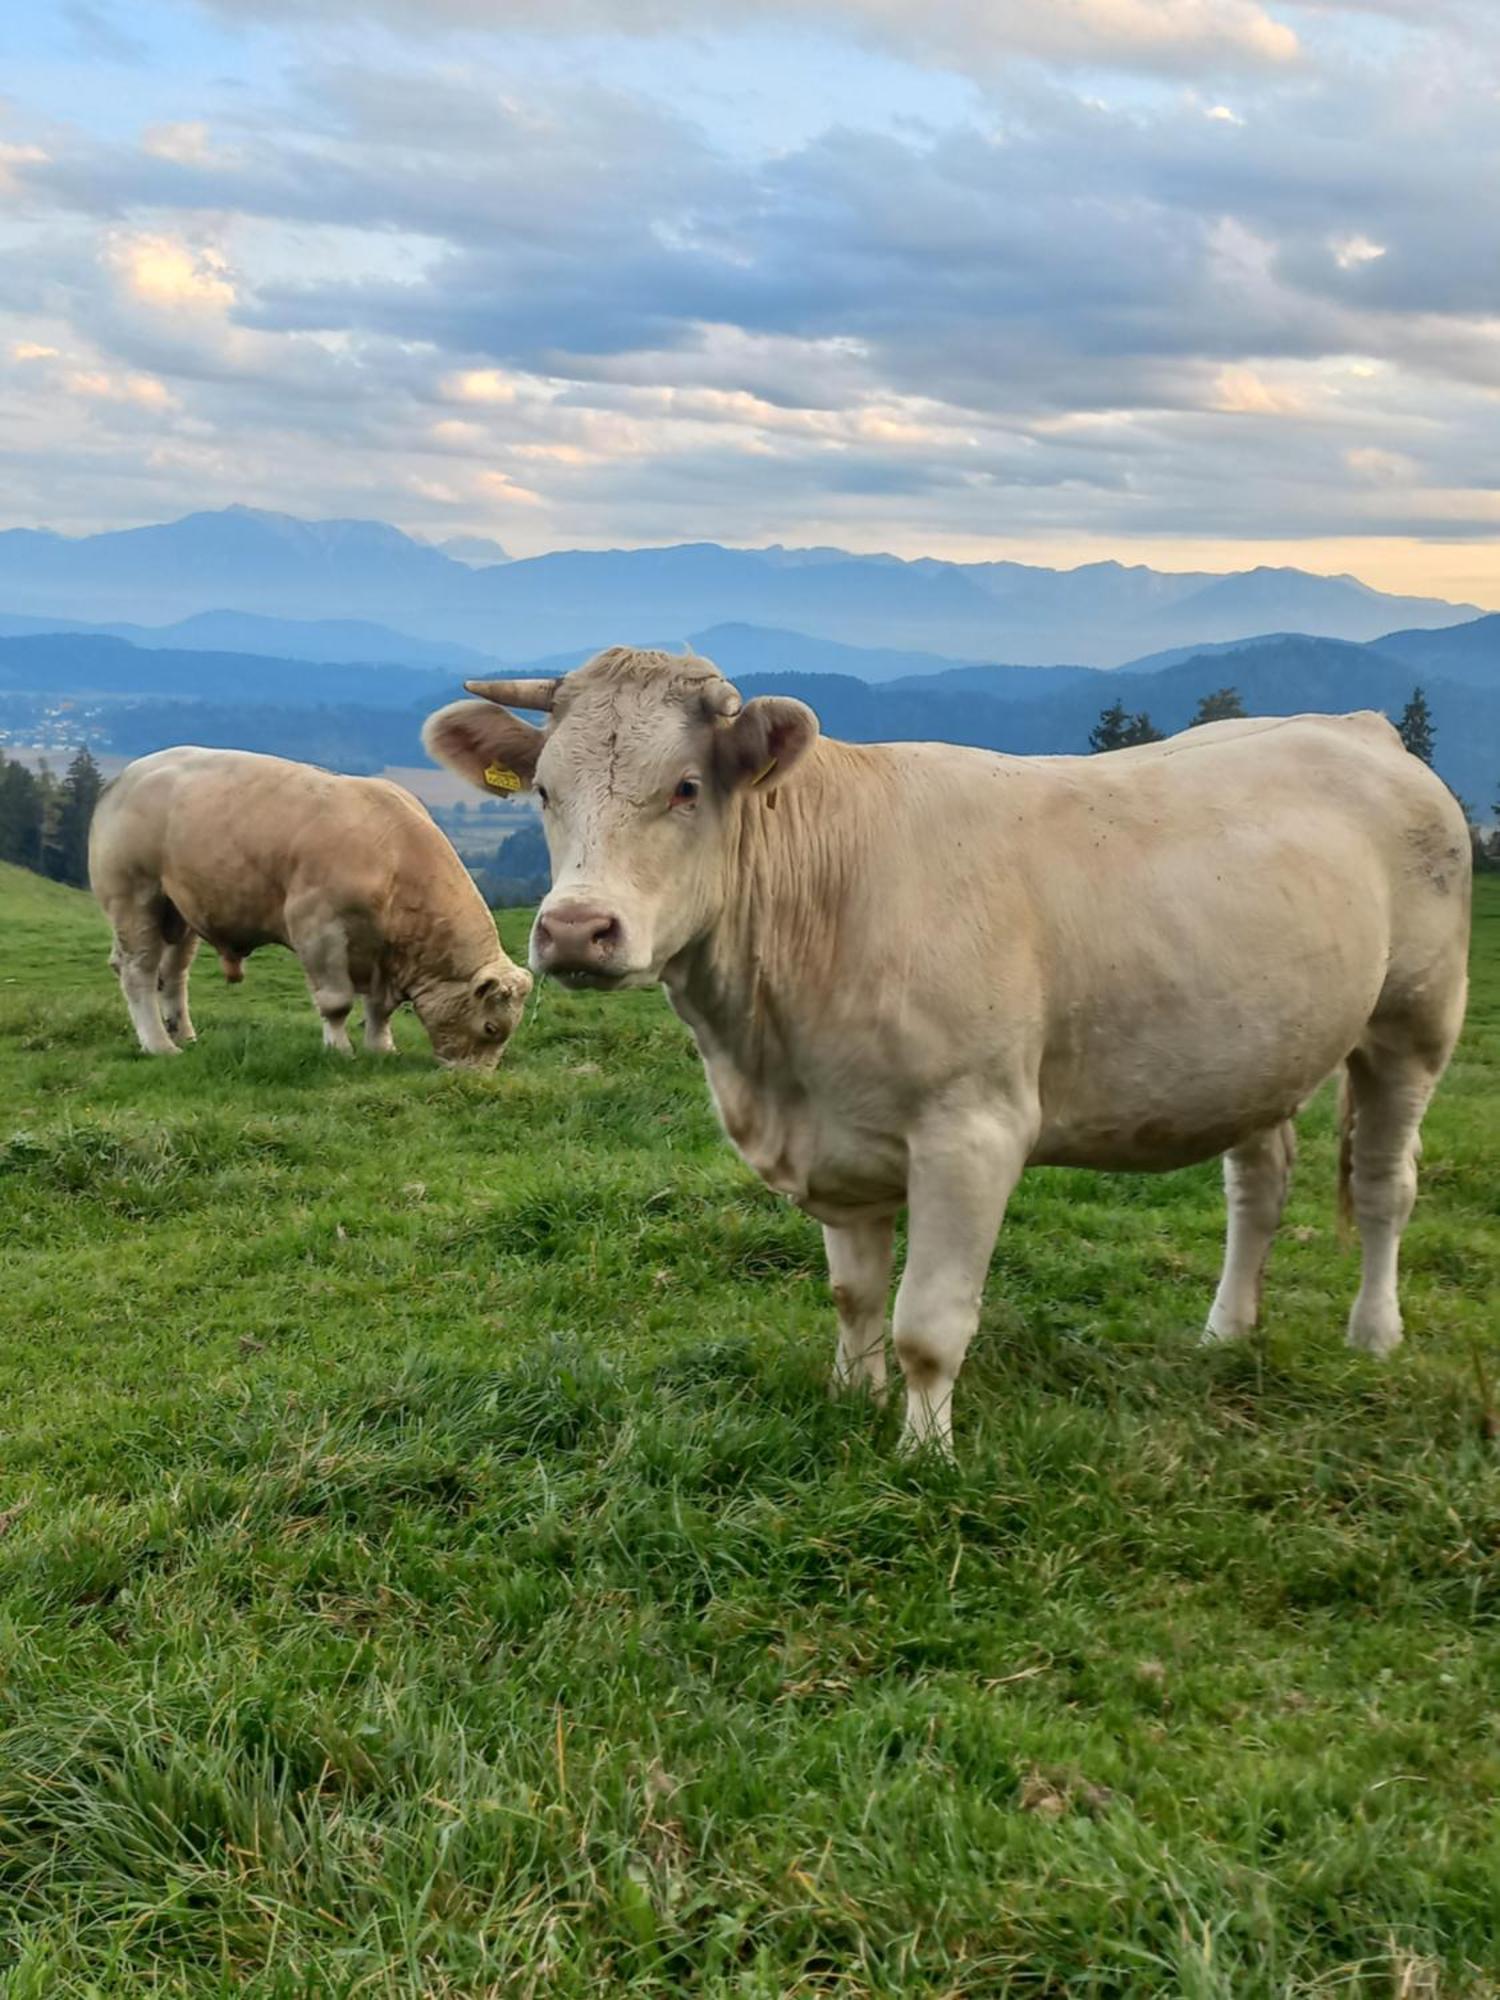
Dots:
{"x": 247, "y": 561}
{"x": 80, "y": 665}
{"x": 63, "y": 687}
{"x": 352, "y": 641}
{"x": 1469, "y": 652}
{"x": 1285, "y": 676}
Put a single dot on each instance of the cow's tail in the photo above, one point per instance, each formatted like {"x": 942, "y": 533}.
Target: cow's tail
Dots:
{"x": 1346, "y": 1155}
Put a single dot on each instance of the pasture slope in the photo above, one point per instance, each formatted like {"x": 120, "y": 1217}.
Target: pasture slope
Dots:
{"x": 431, "y": 1564}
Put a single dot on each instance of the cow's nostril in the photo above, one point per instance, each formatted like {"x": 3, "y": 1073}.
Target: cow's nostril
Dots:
{"x": 574, "y": 938}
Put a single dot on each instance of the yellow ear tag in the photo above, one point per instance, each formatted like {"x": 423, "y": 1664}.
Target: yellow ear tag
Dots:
{"x": 760, "y": 778}
{"x": 500, "y": 780}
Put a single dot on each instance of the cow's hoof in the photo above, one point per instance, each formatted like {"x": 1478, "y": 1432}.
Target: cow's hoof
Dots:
{"x": 1218, "y": 1332}
{"x": 933, "y": 1449}
{"x": 841, "y": 1385}
{"x": 1375, "y": 1337}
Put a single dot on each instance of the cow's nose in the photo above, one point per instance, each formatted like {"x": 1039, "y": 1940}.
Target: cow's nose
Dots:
{"x": 576, "y": 937}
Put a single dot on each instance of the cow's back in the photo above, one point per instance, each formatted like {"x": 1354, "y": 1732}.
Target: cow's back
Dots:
{"x": 233, "y": 837}
{"x": 1161, "y": 948}
{"x": 1217, "y": 918}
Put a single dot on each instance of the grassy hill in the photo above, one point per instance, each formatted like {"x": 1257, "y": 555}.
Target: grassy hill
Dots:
{"x": 430, "y": 1563}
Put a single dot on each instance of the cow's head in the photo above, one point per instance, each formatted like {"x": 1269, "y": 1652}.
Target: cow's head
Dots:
{"x": 469, "y": 1021}
{"x": 642, "y": 771}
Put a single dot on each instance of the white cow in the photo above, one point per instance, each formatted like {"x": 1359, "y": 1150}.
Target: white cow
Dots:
{"x": 914, "y": 970}
{"x": 350, "y": 872}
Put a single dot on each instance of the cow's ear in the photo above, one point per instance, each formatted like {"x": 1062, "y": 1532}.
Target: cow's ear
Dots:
{"x": 765, "y": 741}
{"x": 489, "y": 746}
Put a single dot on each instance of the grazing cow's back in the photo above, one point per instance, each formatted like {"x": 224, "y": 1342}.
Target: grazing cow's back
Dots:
{"x": 245, "y": 850}
{"x": 914, "y": 969}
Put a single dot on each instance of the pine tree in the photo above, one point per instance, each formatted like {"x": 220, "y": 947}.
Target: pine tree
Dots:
{"x": 1223, "y": 705}
{"x": 1415, "y": 727}
{"x": 20, "y": 814}
{"x": 1108, "y": 732}
{"x": 1141, "y": 729}
{"x": 48, "y": 811}
{"x": 1117, "y": 730}
{"x": 77, "y": 797}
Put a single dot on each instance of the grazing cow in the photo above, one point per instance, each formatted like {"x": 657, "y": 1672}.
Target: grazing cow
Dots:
{"x": 350, "y": 872}
{"x": 913, "y": 970}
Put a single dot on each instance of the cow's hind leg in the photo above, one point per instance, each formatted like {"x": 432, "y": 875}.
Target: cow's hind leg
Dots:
{"x": 1388, "y": 1093}
{"x": 1257, "y": 1174}
{"x": 172, "y": 985}
{"x": 325, "y": 960}
{"x": 859, "y": 1270}
{"x": 961, "y": 1175}
{"x": 140, "y": 944}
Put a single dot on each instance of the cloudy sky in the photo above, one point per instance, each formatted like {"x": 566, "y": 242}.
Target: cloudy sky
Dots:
{"x": 1195, "y": 282}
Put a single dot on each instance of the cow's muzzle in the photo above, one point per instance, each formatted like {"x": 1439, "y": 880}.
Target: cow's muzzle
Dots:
{"x": 579, "y": 944}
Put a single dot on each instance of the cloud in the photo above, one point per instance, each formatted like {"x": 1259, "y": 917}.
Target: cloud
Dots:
{"x": 185, "y": 140}
{"x": 1242, "y": 392}
{"x": 1170, "y": 35}
{"x": 165, "y": 271}
{"x": 1349, "y": 252}
{"x": 1380, "y": 467}
{"x": 471, "y": 280}
{"x": 98, "y": 385}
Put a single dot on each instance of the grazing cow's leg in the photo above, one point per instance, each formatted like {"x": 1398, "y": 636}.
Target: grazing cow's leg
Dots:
{"x": 378, "y": 1037}
{"x": 136, "y": 958}
{"x": 1257, "y": 1174}
{"x": 958, "y": 1183}
{"x": 859, "y": 1269}
{"x": 172, "y": 984}
{"x": 325, "y": 960}
{"x": 1390, "y": 1093}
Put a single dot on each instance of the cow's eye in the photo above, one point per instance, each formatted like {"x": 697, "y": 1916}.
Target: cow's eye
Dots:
{"x": 542, "y": 796}
{"x": 686, "y": 793}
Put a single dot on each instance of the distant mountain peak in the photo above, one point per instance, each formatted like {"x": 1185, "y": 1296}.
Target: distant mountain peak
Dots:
{"x": 476, "y": 551}
{"x": 256, "y": 561}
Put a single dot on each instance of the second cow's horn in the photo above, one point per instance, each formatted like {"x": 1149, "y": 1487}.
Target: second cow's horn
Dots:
{"x": 719, "y": 698}
{"x": 516, "y": 694}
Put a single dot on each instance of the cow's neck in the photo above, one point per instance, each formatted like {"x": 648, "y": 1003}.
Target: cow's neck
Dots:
{"x": 427, "y": 946}
{"x": 789, "y": 868}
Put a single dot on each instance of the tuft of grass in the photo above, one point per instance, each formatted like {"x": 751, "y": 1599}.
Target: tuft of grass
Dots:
{"x": 430, "y": 1563}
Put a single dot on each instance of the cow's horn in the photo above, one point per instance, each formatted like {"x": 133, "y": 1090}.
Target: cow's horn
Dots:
{"x": 516, "y": 694}
{"x": 719, "y": 698}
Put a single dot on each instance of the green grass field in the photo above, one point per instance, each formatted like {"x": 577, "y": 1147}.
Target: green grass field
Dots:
{"x": 430, "y": 1562}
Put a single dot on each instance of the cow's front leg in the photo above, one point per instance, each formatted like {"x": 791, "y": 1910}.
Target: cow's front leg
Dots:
{"x": 378, "y": 1037}
{"x": 859, "y": 1270}
{"x": 959, "y": 1181}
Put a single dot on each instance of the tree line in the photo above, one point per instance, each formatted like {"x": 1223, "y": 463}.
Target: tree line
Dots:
{"x": 1117, "y": 729}
{"x": 44, "y": 819}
